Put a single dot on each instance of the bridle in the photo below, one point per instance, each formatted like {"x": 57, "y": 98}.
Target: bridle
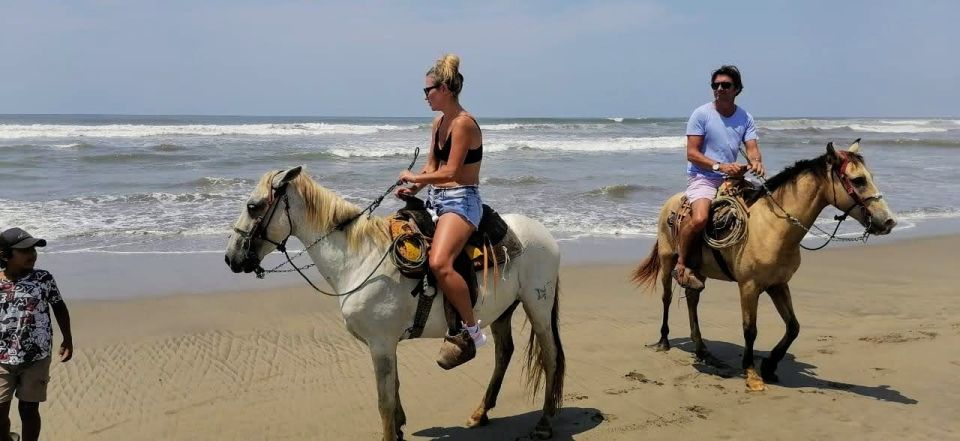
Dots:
{"x": 840, "y": 172}
{"x": 259, "y": 228}
{"x": 858, "y": 201}
{"x": 259, "y": 231}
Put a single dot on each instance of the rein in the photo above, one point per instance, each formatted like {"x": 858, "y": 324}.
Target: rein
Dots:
{"x": 840, "y": 172}
{"x": 259, "y": 232}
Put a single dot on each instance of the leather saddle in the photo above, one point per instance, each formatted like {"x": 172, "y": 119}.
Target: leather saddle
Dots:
{"x": 491, "y": 246}
{"x": 741, "y": 191}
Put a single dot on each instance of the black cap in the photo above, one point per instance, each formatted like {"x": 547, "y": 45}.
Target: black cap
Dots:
{"x": 17, "y": 238}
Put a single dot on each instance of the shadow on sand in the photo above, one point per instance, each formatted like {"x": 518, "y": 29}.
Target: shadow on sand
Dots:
{"x": 792, "y": 373}
{"x": 570, "y": 421}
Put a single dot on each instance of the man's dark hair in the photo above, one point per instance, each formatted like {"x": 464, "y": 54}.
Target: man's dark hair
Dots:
{"x": 730, "y": 71}
{"x": 5, "y": 254}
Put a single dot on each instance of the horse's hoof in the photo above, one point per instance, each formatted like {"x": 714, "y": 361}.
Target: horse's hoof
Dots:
{"x": 754, "y": 382}
{"x": 660, "y": 346}
{"x": 476, "y": 421}
{"x": 709, "y": 360}
{"x": 541, "y": 433}
{"x": 768, "y": 372}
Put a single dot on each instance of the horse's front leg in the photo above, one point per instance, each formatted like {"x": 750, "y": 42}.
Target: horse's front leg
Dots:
{"x": 749, "y": 294}
{"x": 388, "y": 389}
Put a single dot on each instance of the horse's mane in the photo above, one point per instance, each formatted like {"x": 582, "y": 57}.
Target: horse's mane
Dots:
{"x": 325, "y": 210}
{"x": 817, "y": 166}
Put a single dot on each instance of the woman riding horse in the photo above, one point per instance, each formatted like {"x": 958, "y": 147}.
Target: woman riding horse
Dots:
{"x": 453, "y": 173}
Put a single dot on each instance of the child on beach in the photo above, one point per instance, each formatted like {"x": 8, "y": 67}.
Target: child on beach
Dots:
{"x": 26, "y": 336}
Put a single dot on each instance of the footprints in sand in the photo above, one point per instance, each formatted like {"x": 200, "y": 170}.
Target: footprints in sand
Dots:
{"x": 890, "y": 337}
{"x": 634, "y": 377}
{"x": 828, "y": 341}
{"x": 681, "y": 416}
{"x": 900, "y": 337}
{"x": 694, "y": 380}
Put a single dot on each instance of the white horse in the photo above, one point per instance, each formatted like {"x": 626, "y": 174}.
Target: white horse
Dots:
{"x": 379, "y": 308}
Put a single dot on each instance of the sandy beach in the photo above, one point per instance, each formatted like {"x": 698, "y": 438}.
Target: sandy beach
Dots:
{"x": 877, "y": 358}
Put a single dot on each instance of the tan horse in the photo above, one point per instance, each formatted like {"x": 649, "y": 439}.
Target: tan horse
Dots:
{"x": 769, "y": 254}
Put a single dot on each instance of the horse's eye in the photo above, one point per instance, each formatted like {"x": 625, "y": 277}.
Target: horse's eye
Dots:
{"x": 252, "y": 207}
{"x": 859, "y": 181}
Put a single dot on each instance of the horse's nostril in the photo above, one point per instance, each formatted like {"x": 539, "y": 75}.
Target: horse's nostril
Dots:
{"x": 890, "y": 223}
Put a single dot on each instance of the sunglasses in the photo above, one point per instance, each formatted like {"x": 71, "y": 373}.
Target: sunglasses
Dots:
{"x": 426, "y": 90}
{"x": 722, "y": 85}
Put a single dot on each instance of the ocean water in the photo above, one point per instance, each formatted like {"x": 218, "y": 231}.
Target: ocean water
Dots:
{"x": 175, "y": 184}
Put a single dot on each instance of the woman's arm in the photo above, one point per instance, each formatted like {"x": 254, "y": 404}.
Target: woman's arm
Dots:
{"x": 429, "y": 167}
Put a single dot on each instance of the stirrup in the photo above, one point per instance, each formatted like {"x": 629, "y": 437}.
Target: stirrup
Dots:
{"x": 456, "y": 350}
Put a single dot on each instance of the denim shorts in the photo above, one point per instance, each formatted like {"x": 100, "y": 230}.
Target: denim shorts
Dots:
{"x": 464, "y": 201}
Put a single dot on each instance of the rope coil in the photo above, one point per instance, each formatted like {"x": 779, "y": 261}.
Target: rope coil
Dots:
{"x": 411, "y": 264}
{"x": 728, "y": 223}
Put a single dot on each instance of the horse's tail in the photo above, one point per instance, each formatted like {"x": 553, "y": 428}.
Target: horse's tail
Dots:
{"x": 646, "y": 274}
{"x": 536, "y": 365}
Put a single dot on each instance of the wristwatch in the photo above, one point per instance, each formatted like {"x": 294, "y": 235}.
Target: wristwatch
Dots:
{"x": 716, "y": 166}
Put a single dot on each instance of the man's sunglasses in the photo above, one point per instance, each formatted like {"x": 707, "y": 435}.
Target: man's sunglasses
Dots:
{"x": 722, "y": 85}
{"x": 426, "y": 90}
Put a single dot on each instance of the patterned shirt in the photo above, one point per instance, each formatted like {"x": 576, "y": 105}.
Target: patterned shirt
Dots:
{"x": 26, "y": 333}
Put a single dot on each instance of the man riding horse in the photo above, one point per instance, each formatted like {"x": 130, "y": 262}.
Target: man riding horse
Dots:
{"x": 714, "y": 134}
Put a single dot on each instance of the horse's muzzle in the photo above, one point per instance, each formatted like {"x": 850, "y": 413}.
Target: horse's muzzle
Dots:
{"x": 880, "y": 229}
{"x": 247, "y": 265}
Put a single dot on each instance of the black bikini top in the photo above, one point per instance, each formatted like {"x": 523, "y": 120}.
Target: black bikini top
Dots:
{"x": 473, "y": 155}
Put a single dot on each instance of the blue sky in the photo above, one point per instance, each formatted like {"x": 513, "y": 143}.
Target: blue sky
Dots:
{"x": 538, "y": 58}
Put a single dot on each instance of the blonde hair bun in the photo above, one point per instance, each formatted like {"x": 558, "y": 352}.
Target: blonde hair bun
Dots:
{"x": 447, "y": 71}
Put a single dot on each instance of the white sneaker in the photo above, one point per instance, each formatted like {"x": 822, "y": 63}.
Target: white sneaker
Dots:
{"x": 479, "y": 338}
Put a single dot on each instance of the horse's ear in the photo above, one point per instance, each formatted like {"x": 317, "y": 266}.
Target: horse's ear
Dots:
{"x": 286, "y": 176}
{"x": 855, "y": 147}
{"x": 831, "y": 153}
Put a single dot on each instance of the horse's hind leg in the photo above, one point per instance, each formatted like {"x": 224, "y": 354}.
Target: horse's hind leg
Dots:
{"x": 666, "y": 280}
{"x": 780, "y": 294}
{"x": 503, "y": 340}
{"x": 545, "y": 352}
{"x": 700, "y": 348}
